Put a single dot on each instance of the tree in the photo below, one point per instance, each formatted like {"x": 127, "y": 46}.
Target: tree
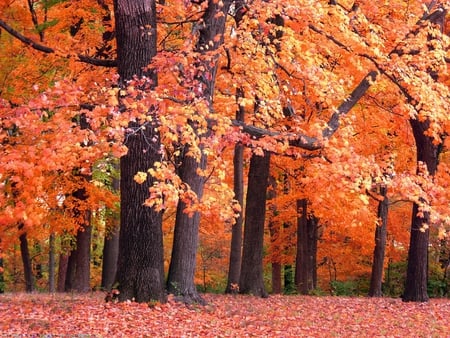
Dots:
{"x": 252, "y": 279}
{"x": 306, "y": 258}
{"x": 376, "y": 278}
{"x": 180, "y": 280}
{"x": 140, "y": 268}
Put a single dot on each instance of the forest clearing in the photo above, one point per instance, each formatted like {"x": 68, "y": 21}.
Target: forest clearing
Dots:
{"x": 46, "y": 315}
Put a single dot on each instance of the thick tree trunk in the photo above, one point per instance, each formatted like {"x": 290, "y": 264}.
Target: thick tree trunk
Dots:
{"x": 252, "y": 279}
{"x": 376, "y": 278}
{"x": 417, "y": 271}
{"x": 140, "y": 265}
{"x": 26, "y": 260}
{"x": 234, "y": 270}
{"x": 182, "y": 266}
{"x": 111, "y": 248}
{"x": 306, "y": 258}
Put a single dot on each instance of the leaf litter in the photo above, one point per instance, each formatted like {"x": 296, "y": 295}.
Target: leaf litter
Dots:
{"x": 74, "y": 315}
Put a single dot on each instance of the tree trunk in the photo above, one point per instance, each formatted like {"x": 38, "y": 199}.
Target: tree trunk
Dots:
{"x": 111, "y": 248}
{"x": 234, "y": 270}
{"x": 376, "y": 278}
{"x": 306, "y": 258}
{"x": 82, "y": 278}
{"x": 26, "y": 260}
{"x": 110, "y": 255}
{"x": 140, "y": 265}
{"x": 51, "y": 264}
{"x": 78, "y": 266}
{"x": 185, "y": 242}
{"x": 252, "y": 279}
{"x": 182, "y": 265}
{"x": 274, "y": 231}
{"x": 62, "y": 272}
{"x": 2, "y": 277}
{"x": 417, "y": 271}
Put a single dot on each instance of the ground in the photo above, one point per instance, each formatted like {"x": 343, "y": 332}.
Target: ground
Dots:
{"x": 44, "y": 315}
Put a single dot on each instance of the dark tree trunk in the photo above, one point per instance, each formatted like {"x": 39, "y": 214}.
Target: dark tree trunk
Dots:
{"x": 306, "y": 258}
{"x": 26, "y": 260}
{"x": 274, "y": 231}
{"x": 51, "y": 264}
{"x": 62, "y": 272}
{"x": 234, "y": 270}
{"x": 184, "y": 252}
{"x": 111, "y": 248}
{"x": 110, "y": 254}
{"x": 417, "y": 271}
{"x": 376, "y": 278}
{"x": 78, "y": 266}
{"x": 2, "y": 277}
{"x": 182, "y": 265}
{"x": 252, "y": 279}
{"x": 82, "y": 278}
{"x": 140, "y": 265}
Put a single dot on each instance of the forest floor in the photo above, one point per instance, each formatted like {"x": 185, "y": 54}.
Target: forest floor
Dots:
{"x": 72, "y": 315}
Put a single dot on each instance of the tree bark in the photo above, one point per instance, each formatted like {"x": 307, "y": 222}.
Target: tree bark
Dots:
{"x": 140, "y": 265}
{"x": 234, "y": 270}
{"x": 185, "y": 243}
{"x": 252, "y": 279}
{"x": 81, "y": 281}
{"x": 62, "y": 272}
{"x": 111, "y": 248}
{"x": 78, "y": 264}
{"x": 417, "y": 271}
{"x": 182, "y": 265}
{"x": 26, "y": 260}
{"x": 306, "y": 258}
{"x": 51, "y": 264}
{"x": 376, "y": 278}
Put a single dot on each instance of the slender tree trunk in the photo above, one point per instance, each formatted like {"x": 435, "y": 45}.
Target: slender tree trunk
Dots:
{"x": 26, "y": 260}
{"x": 140, "y": 265}
{"x": 2, "y": 277}
{"x": 306, "y": 258}
{"x": 62, "y": 272}
{"x": 82, "y": 278}
{"x": 417, "y": 271}
{"x": 110, "y": 255}
{"x": 111, "y": 248}
{"x": 252, "y": 279}
{"x": 376, "y": 279}
{"x": 234, "y": 269}
{"x": 182, "y": 265}
{"x": 78, "y": 264}
{"x": 51, "y": 264}
{"x": 185, "y": 243}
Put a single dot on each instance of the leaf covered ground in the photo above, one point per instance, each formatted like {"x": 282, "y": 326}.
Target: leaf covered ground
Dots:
{"x": 44, "y": 315}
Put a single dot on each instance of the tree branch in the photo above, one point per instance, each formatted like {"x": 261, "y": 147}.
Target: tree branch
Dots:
{"x": 49, "y": 50}
{"x": 312, "y": 143}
